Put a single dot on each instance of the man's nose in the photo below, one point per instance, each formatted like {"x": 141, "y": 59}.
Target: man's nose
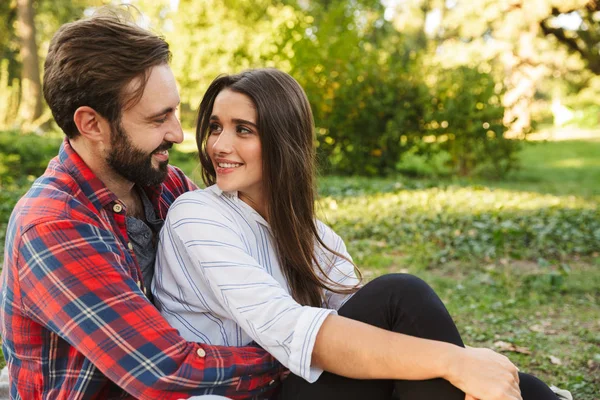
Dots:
{"x": 175, "y": 132}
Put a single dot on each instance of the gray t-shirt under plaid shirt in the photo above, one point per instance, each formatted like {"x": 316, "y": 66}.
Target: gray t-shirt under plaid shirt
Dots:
{"x": 144, "y": 237}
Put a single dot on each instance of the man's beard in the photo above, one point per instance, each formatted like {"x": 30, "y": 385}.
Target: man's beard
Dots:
{"x": 132, "y": 163}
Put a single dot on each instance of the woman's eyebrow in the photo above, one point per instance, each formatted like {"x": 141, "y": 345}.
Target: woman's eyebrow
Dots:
{"x": 243, "y": 121}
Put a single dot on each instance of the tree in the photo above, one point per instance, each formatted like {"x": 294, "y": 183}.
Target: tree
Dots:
{"x": 584, "y": 38}
{"x": 509, "y": 36}
{"x": 31, "y": 85}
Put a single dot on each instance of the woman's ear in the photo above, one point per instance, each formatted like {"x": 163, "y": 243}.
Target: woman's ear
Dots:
{"x": 91, "y": 125}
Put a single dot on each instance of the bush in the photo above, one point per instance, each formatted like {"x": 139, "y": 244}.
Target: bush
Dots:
{"x": 378, "y": 109}
{"x": 425, "y": 164}
{"x": 25, "y": 155}
{"x": 466, "y": 119}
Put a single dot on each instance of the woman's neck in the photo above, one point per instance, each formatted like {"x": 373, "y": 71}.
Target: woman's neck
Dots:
{"x": 257, "y": 202}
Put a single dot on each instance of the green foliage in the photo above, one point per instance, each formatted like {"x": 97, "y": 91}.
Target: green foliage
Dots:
{"x": 434, "y": 163}
{"x": 364, "y": 80}
{"x": 25, "y": 156}
{"x": 470, "y": 223}
{"x": 8, "y": 44}
{"x": 210, "y": 38}
{"x": 584, "y": 103}
{"x": 364, "y": 105}
{"x": 548, "y": 210}
{"x": 9, "y": 195}
{"x": 466, "y": 118}
{"x": 9, "y": 96}
{"x": 188, "y": 162}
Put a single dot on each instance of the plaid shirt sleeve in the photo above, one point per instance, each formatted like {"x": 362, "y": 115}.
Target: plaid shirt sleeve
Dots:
{"x": 73, "y": 282}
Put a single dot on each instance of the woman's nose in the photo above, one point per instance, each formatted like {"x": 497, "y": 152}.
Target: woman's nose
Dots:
{"x": 224, "y": 143}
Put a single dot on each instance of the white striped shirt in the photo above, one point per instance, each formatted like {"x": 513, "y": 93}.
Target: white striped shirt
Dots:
{"x": 218, "y": 280}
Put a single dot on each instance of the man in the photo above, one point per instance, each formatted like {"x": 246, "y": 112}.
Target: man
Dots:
{"x": 76, "y": 321}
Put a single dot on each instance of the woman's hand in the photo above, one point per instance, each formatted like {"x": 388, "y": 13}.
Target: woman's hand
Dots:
{"x": 484, "y": 375}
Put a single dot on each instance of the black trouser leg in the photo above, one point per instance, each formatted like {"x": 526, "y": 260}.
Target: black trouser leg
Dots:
{"x": 532, "y": 388}
{"x": 400, "y": 303}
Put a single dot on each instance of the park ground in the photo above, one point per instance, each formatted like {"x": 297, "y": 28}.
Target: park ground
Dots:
{"x": 516, "y": 261}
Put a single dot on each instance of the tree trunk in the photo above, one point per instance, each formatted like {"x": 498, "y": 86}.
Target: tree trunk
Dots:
{"x": 31, "y": 86}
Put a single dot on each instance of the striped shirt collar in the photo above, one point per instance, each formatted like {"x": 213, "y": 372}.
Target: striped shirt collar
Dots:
{"x": 250, "y": 212}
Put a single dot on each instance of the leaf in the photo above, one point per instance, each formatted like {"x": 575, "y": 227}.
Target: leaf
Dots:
{"x": 505, "y": 346}
{"x": 555, "y": 360}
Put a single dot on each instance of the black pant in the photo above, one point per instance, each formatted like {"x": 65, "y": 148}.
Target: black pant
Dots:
{"x": 405, "y": 304}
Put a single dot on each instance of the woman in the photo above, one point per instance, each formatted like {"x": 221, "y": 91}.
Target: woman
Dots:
{"x": 246, "y": 260}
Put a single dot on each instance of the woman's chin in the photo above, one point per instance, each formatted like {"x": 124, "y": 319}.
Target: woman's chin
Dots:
{"x": 225, "y": 187}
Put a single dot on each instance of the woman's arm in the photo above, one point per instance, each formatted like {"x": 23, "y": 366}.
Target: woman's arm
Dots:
{"x": 373, "y": 353}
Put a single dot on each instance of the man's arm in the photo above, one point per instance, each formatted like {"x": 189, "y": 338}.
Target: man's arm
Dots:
{"x": 374, "y": 353}
{"x": 74, "y": 283}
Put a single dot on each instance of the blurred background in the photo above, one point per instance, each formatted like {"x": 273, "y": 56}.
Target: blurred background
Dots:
{"x": 422, "y": 87}
{"x": 457, "y": 139}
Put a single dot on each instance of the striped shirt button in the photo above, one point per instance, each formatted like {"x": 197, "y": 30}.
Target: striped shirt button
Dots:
{"x": 117, "y": 208}
{"x": 201, "y": 352}
{"x": 272, "y": 382}
{"x": 130, "y": 246}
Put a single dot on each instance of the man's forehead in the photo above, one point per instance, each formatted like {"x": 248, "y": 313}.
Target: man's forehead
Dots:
{"x": 160, "y": 92}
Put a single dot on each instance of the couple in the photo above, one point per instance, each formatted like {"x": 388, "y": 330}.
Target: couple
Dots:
{"x": 246, "y": 278}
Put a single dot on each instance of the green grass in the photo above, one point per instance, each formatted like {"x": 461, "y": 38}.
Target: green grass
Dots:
{"x": 561, "y": 168}
{"x": 516, "y": 261}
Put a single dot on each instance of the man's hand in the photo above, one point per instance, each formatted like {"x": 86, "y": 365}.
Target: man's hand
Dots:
{"x": 484, "y": 375}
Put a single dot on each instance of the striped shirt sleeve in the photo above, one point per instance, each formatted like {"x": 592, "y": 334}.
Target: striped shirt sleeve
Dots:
{"x": 215, "y": 256}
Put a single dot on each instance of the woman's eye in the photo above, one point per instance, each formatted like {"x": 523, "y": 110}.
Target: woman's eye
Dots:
{"x": 214, "y": 128}
{"x": 243, "y": 130}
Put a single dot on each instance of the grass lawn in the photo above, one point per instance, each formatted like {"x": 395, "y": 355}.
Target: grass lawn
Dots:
{"x": 516, "y": 261}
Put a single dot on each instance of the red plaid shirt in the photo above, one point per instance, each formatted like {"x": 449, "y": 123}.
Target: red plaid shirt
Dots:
{"x": 74, "y": 320}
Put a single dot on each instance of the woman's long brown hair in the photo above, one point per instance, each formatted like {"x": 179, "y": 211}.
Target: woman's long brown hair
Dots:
{"x": 286, "y": 131}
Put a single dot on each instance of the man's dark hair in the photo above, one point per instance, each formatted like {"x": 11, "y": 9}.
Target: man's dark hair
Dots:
{"x": 90, "y": 63}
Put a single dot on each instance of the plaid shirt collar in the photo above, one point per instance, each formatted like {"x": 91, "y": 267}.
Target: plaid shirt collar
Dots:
{"x": 92, "y": 187}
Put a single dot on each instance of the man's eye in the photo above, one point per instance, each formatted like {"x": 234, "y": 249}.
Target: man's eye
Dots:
{"x": 161, "y": 120}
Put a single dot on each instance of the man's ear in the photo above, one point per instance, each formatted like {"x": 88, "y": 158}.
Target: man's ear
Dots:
{"x": 91, "y": 124}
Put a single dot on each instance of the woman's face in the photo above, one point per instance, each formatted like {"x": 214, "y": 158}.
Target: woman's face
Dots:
{"x": 234, "y": 146}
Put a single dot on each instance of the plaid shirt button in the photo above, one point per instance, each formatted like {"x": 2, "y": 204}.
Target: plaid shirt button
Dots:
{"x": 117, "y": 208}
{"x": 201, "y": 353}
{"x": 130, "y": 246}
